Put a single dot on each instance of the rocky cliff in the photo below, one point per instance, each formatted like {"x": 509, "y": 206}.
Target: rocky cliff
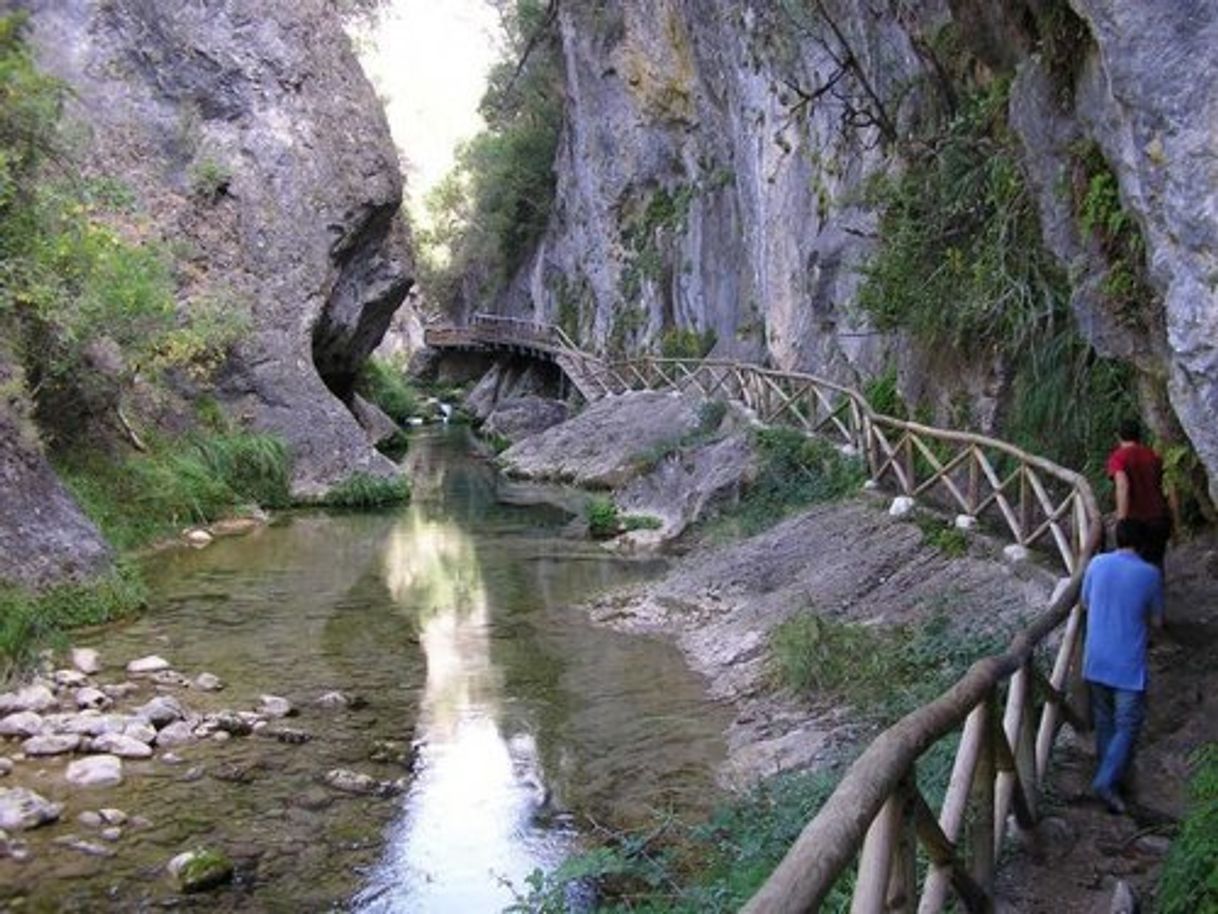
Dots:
{"x": 259, "y": 152}
{"x": 714, "y": 168}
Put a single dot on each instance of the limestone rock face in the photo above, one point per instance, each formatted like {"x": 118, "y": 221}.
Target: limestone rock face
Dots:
{"x": 520, "y": 417}
{"x": 603, "y": 446}
{"x": 1146, "y": 96}
{"x": 44, "y": 536}
{"x": 256, "y": 144}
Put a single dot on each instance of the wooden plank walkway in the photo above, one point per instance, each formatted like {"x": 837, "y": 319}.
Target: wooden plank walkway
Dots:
{"x": 1007, "y": 708}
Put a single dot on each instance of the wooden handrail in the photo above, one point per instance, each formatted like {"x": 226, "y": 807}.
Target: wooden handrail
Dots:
{"x": 1002, "y": 760}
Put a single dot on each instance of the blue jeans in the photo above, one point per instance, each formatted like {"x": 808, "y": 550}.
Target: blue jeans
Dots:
{"x": 1118, "y": 715}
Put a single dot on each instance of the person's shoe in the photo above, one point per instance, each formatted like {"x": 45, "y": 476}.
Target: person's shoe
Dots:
{"x": 1111, "y": 801}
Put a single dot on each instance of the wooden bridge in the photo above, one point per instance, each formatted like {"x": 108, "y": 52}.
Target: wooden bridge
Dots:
{"x": 1008, "y": 707}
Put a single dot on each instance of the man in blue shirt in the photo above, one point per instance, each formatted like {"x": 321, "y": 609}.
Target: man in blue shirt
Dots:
{"x": 1123, "y": 596}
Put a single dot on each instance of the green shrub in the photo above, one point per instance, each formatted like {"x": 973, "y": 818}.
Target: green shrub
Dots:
{"x": 191, "y": 480}
{"x": 678, "y": 343}
{"x": 794, "y": 471}
{"x": 365, "y": 490}
{"x": 385, "y": 384}
{"x": 209, "y": 179}
{"x": 640, "y": 522}
{"x": 883, "y": 671}
{"x": 30, "y": 621}
{"x": 602, "y": 516}
{"x": 1189, "y": 883}
{"x": 882, "y": 395}
{"x": 944, "y": 537}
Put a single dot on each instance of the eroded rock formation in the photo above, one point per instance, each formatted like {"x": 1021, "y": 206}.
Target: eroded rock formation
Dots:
{"x": 257, "y": 149}
{"x": 714, "y": 166}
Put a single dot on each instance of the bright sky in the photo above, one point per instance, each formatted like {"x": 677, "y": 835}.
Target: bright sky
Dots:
{"x": 429, "y": 60}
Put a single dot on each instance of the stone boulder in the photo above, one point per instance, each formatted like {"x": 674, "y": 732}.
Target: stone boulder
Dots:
{"x": 44, "y": 536}
{"x": 257, "y": 143}
{"x": 200, "y": 870}
{"x": 520, "y": 417}
{"x": 689, "y": 485}
{"x": 605, "y": 445}
{"x": 96, "y": 771}
{"x": 36, "y": 697}
{"x": 22, "y": 809}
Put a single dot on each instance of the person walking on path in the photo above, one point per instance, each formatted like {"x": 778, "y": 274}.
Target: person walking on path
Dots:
{"x": 1123, "y": 597}
{"x": 1137, "y": 473}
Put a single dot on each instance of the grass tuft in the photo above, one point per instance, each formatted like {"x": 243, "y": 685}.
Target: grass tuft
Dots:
{"x": 192, "y": 480}
{"x": 1190, "y": 877}
{"x": 365, "y": 490}
{"x": 30, "y": 621}
{"x": 603, "y": 520}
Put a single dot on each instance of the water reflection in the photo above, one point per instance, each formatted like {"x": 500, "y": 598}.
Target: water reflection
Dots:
{"x": 467, "y": 832}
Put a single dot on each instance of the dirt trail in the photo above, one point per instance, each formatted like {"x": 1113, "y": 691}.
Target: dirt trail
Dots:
{"x": 1084, "y": 850}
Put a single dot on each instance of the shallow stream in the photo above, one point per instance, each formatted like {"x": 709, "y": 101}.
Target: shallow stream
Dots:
{"x": 515, "y": 723}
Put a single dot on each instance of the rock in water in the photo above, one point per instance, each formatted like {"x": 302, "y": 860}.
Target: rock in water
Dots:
{"x": 23, "y": 723}
{"x": 353, "y": 782}
{"x": 35, "y": 697}
{"x": 122, "y": 745}
{"x": 200, "y": 870}
{"x": 51, "y": 744}
{"x": 274, "y": 706}
{"x": 91, "y": 698}
{"x": 161, "y": 711}
{"x": 96, "y": 771}
{"x": 175, "y": 734}
{"x": 86, "y": 660}
{"x": 21, "y": 808}
{"x": 208, "y": 682}
{"x": 150, "y": 664}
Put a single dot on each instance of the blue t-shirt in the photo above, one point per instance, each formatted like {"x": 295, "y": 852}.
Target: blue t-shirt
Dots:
{"x": 1121, "y": 592}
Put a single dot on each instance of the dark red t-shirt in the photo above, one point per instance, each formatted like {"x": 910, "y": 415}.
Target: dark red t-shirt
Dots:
{"x": 1145, "y": 472}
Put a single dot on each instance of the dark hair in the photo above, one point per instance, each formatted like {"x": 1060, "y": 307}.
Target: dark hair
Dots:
{"x": 1130, "y": 533}
{"x": 1130, "y": 430}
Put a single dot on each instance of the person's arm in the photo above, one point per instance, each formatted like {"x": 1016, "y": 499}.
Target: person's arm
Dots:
{"x": 1121, "y": 479}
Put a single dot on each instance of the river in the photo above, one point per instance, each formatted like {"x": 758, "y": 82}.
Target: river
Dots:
{"x": 515, "y": 724}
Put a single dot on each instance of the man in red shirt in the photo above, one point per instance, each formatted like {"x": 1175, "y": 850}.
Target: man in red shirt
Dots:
{"x": 1137, "y": 472}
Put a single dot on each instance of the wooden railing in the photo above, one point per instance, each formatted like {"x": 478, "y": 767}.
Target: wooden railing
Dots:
{"x": 1007, "y": 709}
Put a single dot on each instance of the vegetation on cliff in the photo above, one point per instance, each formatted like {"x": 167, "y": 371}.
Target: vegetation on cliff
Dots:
{"x": 489, "y": 212}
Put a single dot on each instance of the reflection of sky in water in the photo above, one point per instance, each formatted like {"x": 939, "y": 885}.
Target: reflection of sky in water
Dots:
{"x": 467, "y": 825}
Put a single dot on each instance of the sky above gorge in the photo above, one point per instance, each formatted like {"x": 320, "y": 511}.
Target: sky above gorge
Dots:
{"x": 428, "y": 60}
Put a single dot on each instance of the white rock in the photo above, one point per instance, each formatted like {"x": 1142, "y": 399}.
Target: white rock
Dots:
{"x": 208, "y": 682}
{"x": 117, "y": 690}
{"x": 171, "y": 758}
{"x": 90, "y": 819}
{"x": 1015, "y": 553}
{"x": 175, "y": 734}
{"x": 112, "y": 816}
{"x": 35, "y": 697}
{"x": 96, "y": 771}
{"x": 150, "y": 664}
{"x": 88, "y": 723}
{"x": 965, "y": 522}
{"x": 352, "y": 781}
{"x": 86, "y": 660}
{"x": 91, "y": 698}
{"x": 21, "y": 809}
{"x": 71, "y": 679}
{"x": 121, "y": 745}
{"x": 169, "y": 678}
{"x": 274, "y": 706}
{"x": 870, "y": 485}
{"x": 139, "y": 730}
{"x": 333, "y": 700}
{"x": 197, "y": 537}
{"x": 901, "y": 505}
{"x": 113, "y": 833}
{"x": 50, "y": 744}
{"x": 161, "y": 711}
{"x": 6, "y": 765}
{"x": 221, "y": 736}
{"x": 85, "y": 847}
{"x": 23, "y": 723}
